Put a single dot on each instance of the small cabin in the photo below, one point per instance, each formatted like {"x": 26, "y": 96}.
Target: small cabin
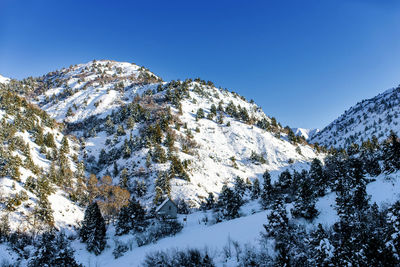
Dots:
{"x": 167, "y": 209}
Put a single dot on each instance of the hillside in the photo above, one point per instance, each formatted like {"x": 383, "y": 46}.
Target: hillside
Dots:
{"x": 39, "y": 169}
{"x": 371, "y": 117}
{"x": 4, "y": 79}
{"x": 115, "y": 140}
{"x": 188, "y": 138}
{"x": 306, "y": 133}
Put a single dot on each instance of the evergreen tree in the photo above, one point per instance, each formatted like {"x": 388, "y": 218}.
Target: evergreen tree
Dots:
{"x": 64, "y": 145}
{"x": 239, "y": 187}
{"x": 93, "y": 230}
{"x": 267, "y": 192}
{"x": 317, "y": 177}
{"x": 284, "y": 182}
{"x": 229, "y": 203}
{"x": 393, "y": 220}
{"x": 391, "y": 153}
{"x": 304, "y": 205}
{"x": 52, "y": 251}
{"x": 255, "y": 189}
{"x": 131, "y": 217}
{"x": 209, "y": 203}
{"x": 200, "y": 114}
{"x": 43, "y": 212}
{"x": 322, "y": 250}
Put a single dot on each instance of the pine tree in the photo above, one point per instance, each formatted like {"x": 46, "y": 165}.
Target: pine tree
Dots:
{"x": 267, "y": 192}
{"x": 239, "y": 186}
{"x": 255, "y": 189}
{"x": 304, "y": 205}
{"x": 229, "y": 203}
{"x": 393, "y": 220}
{"x": 64, "y": 145}
{"x": 131, "y": 217}
{"x": 5, "y": 228}
{"x": 54, "y": 251}
{"x": 123, "y": 182}
{"x": 322, "y": 250}
{"x": 284, "y": 182}
{"x": 210, "y": 202}
{"x": 93, "y": 230}
{"x": 391, "y": 153}
{"x": 43, "y": 212}
{"x": 278, "y": 229}
{"x": 200, "y": 114}
{"x": 317, "y": 177}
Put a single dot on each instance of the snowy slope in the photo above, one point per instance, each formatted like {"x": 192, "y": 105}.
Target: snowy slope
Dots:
{"x": 19, "y": 178}
{"x": 370, "y": 117}
{"x": 306, "y": 133}
{"x": 245, "y": 230}
{"x": 97, "y": 91}
{"x": 4, "y": 79}
{"x": 94, "y": 88}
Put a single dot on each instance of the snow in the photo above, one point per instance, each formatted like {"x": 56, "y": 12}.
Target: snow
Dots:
{"x": 4, "y": 79}
{"x": 306, "y": 133}
{"x": 90, "y": 96}
{"x": 245, "y": 230}
{"x": 195, "y": 234}
{"x": 376, "y": 116}
{"x": 211, "y": 165}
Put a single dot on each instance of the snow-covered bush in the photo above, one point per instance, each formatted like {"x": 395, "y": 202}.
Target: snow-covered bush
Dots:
{"x": 191, "y": 257}
{"x": 159, "y": 229}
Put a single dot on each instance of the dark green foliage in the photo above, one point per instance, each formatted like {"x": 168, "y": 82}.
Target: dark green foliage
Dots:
{"x": 209, "y": 203}
{"x": 131, "y": 218}
{"x": 318, "y": 177}
{"x": 239, "y": 187}
{"x": 304, "y": 205}
{"x": 52, "y": 251}
{"x": 229, "y": 203}
{"x": 93, "y": 230}
{"x": 49, "y": 140}
{"x": 159, "y": 229}
{"x": 188, "y": 258}
{"x": 391, "y": 153}
{"x": 257, "y": 158}
{"x": 177, "y": 169}
{"x": 267, "y": 191}
{"x": 158, "y": 155}
{"x": 255, "y": 189}
{"x": 200, "y": 114}
{"x": 43, "y": 212}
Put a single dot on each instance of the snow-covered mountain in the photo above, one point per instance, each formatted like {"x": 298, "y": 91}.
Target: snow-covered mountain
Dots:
{"x": 116, "y": 108}
{"x": 371, "y": 117}
{"x": 4, "y": 79}
{"x": 306, "y": 133}
{"x": 93, "y": 135}
{"x": 38, "y": 168}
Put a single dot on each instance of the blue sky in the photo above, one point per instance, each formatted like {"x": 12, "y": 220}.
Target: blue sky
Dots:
{"x": 303, "y": 62}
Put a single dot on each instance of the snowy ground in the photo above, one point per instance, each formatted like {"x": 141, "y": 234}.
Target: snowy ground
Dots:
{"x": 245, "y": 230}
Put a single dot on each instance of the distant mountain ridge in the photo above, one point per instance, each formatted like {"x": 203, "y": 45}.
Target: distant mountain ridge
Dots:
{"x": 376, "y": 116}
{"x": 306, "y": 133}
{"x": 4, "y": 79}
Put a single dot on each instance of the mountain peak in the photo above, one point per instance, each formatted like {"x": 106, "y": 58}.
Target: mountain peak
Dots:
{"x": 4, "y": 79}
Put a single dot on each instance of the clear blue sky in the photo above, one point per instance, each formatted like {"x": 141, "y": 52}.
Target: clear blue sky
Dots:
{"x": 304, "y": 62}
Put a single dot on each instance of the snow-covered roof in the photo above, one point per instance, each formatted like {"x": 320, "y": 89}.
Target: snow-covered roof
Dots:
{"x": 162, "y": 204}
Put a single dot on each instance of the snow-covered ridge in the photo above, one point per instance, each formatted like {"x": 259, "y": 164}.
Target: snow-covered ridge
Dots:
{"x": 371, "y": 117}
{"x": 93, "y": 88}
{"x": 222, "y": 149}
{"x": 28, "y": 162}
{"x": 4, "y": 79}
{"x": 306, "y": 133}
